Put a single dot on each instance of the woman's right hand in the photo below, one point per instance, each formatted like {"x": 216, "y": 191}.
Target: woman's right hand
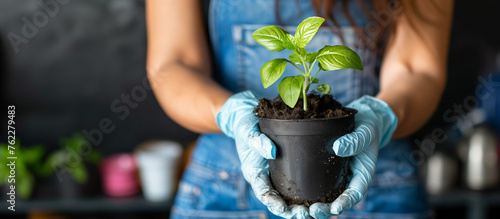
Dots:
{"x": 237, "y": 120}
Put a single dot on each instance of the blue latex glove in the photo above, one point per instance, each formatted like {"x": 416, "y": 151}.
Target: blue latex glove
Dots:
{"x": 374, "y": 125}
{"x": 237, "y": 120}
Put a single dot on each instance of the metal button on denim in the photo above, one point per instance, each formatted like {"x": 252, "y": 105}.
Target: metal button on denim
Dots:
{"x": 223, "y": 175}
{"x": 196, "y": 191}
{"x": 262, "y": 216}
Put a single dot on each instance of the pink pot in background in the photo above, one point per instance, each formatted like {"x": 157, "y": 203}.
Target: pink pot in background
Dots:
{"x": 119, "y": 175}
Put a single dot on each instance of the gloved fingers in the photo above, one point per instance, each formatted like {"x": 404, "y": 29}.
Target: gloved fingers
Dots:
{"x": 371, "y": 109}
{"x": 261, "y": 144}
{"x": 274, "y": 202}
{"x": 363, "y": 169}
{"x": 255, "y": 170}
{"x": 267, "y": 195}
{"x": 320, "y": 210}
{"x": 346, "y": 200}
{"x": 355, "y": 142}
{"x": 277, "y": 205}
{"x": 297, "y": 212}
{"x": 262, "y": 187}
{"x": 250, "y": 159}
{"x": 236, "y": 115}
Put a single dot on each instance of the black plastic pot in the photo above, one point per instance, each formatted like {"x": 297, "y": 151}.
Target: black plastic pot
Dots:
{"x": 66, "y": 187}
{"x": 69, "y": 188}
{"x": 306, "y": 170}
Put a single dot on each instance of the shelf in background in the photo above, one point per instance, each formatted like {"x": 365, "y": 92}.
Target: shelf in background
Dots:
{"x": 466, "y": 197}
{"x": 476, "y": 203}
{"x": 97, "y": 204}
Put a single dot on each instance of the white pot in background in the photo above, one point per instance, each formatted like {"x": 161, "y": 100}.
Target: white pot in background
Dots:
{"x": 481, "y": 166}
{"x": 158, "y": 162}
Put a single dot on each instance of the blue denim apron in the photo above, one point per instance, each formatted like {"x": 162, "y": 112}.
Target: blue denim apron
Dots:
{"x": 213, "y": 186}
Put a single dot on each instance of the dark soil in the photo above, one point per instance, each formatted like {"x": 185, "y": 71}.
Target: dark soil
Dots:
{"x": 319, "y": 106}
{"x": 331, "y": 193}
{"x": 328, "y": 198}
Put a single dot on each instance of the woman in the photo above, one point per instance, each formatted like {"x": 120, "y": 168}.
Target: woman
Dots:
{"x": 404, "y": 96}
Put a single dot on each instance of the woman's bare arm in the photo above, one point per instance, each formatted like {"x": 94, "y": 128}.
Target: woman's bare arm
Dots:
{"x": 413, "y": 73}
{"x": 178, "y": 64}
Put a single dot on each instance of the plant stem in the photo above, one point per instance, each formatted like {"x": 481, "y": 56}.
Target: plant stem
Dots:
{"x": 306, "y": 82}
{"x": 296, "y": 67}
{"x": 304, "y": 92}
{"x": 305, "y": 66}
{"x": 316, "y": 74}
{"x": 311, "y": 66}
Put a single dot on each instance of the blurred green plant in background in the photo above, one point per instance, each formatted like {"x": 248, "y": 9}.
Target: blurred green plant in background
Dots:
{"x": 75, "y": 147}
{"x": 30, "y": 163}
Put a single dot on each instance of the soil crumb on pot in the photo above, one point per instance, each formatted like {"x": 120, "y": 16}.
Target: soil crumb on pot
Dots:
{"x": 318, "y": 107}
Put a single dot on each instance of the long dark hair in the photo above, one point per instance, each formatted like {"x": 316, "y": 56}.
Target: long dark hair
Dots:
{"x": 382, "y": 14}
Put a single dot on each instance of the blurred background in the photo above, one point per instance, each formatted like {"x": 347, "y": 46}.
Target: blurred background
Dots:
{"x": 90, "y": 134}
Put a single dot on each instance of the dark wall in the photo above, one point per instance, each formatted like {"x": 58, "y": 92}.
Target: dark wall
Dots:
{"x": 75, "y": 69}
{"x": 474, "y": 51}
{"x": 87, "y": 54}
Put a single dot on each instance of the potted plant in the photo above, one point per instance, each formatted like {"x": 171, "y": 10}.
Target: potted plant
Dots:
{"x": 73, "y": 168}
{"x": 28, "y": 164}
{"x": 304, "y": 125}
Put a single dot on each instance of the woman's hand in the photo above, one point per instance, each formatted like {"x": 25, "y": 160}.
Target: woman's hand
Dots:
{"x": 237, "y": 120}
{"x": 374, "y": 125}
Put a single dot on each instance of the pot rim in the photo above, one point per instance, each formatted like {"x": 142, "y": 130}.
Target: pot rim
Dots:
{"x": 351, "y": 112}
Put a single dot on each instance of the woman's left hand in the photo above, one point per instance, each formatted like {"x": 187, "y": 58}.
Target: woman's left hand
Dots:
{"x": 374, "y": 125}
{"x": 237, "y": 120}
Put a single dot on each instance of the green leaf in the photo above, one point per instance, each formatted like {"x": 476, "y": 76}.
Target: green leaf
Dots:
{"x": 79, "y": 173}
{"x": 93, "y": 158}
{"x": 289, "y": 90}
{"x": 33, "y": 158}
{"x": 321, "y": 67}
{"x": 313, "y": 81}
{"x": 301, "y": 80}
{"x": 24, "y": 185}
{"x": 324, "y": 88}
{"x": 55, "y": 159}
{"x": 307, "y": 29}
{"x": 45, "y": 169}
{"x": 302, "y": 52}
{"x": 24, "y": 178}
{"x": 290, "y": 43}
{"x": 310, "y": 57}
{"x": 338, "y": 57}
{"x": 272, "y": 37}
{"x": 295, "y": 59}
{"x": 33, "y": 154}
{"x": 73, "y": 142}
{"x": 272, "y": 71}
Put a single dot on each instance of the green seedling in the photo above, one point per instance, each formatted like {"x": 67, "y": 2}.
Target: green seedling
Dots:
{"x": 74, "y": 147}
{"x": 28, "y": 162}
{"x": 329, "y": 58}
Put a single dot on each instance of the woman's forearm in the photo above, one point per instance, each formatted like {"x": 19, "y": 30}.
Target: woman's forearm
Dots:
{"x": 413, "y": 72}
{"x": 188, "y": 96}
{"x": 413, "y": 98}
{"x": 179, "y": 65}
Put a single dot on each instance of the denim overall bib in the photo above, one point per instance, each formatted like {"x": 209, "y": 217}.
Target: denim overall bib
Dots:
{"x": 212, "y": 185}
